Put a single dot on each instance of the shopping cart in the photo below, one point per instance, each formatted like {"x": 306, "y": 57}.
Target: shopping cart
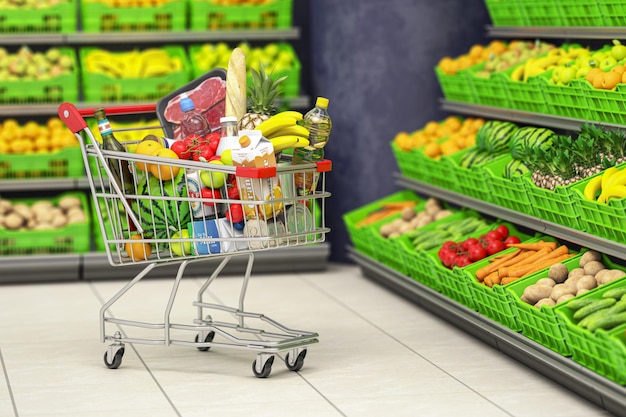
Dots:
{"x": 157, "y": 217}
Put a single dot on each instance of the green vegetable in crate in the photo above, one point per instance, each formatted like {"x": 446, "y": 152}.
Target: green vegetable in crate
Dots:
{"x": 514, "y": 168}
{"x": 529, "y": 137}
{"x": 494, "y": 136}
{"x": 453, "y": 230}
{"x": 161, "y": 218}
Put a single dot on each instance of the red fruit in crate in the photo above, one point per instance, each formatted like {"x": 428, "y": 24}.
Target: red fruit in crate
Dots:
{"x": 493, "y": 235}
{"x": 503, "y": 230}
{"x": 203, "y": 153}
{"x": 469, "y": 242}
{"x": 234, "y": 214}
{"x": 232, "y": 191}
{"x": 462, "y": 260}
{"x": 476, "y": 253}
{"x": 210, "y": 194}
{"x": 512, "y": 240}
{"x": 180, "y": 149}
{"x": 212, "y": 137}
{"x": 494, "y": 247}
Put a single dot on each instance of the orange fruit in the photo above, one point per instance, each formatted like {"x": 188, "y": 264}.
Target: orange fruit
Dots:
{"x": 453, "y": 123}
{"x": 592, "y": 74}
{"x": 432, "y": 150}
{"x": 148, "y": 148}
{"x": 610, "y": 79}
{"x": 619, "y": 69}
{"x": 162, "y": 171}
{"x": 138, "y": 251}
{"x": 431, "y": 127}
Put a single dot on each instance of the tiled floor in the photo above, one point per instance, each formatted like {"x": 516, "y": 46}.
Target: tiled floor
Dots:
{"x": 378, "y": 355}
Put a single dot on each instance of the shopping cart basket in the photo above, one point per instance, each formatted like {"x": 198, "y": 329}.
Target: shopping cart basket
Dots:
{"x": 159, "y": 218}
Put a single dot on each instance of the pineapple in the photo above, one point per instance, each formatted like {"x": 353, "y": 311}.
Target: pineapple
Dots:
{"x": 261, "y": 96}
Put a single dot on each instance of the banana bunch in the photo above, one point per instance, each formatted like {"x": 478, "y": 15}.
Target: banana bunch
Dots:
{"x": 151, "y": 62}
{"x": 611, "y": 184}
{"x": 284, "y": 132}
{"x": 538, "y": 65}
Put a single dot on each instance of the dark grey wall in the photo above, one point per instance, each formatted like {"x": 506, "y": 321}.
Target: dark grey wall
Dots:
{"x": 374, "y": 60}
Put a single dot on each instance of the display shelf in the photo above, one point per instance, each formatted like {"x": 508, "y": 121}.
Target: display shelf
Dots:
{"x": 520, "y": 116}
{"x": 561, "y": 232}
{"x": 83, "y": 38}
{"x": 95, "y": 265}
{"x": 44, "y": 184}
{"x": 557, "y": 32}
{"x": 593, "y": 387}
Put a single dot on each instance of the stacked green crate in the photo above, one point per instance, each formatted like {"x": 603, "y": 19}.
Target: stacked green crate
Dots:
{"x": 167, "y": 15}
{"x": 57, "y": 18}
{"x": 506, "y": 192}
{"x": 213, "y": 15}
{"x": 505, "y": 12}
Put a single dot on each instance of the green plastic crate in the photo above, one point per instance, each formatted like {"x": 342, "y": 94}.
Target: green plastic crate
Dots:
{"x": 207, "y": 15}
{"x": 99, "y": 17}
{"x": 64, "y": 163}
{"x": 598, "y": 219}
{"x": 488, "y": 91}
{"x": 455, "y": 87}
{"x": 523, "y": 95}
{"x": 361, "y": 235}
{"x": 436, "y": 171}
{"x": 565, "y": 100}
{"x": 73, "y": 238}
{"x": 601, "y": 351}
{"x": 557, "y": 206}
{"x": 101, "y": 88}
{"x": 60, "y": 18}
{"x": 469, "y": 181}
{"x": 541, "y": 12}
{"x": 506, "y": 192}
{"x": 613, "y": 12}
{"x": 608, "y": 106}
{"x": 290, "y": 87}
{"x": 408, "y": 162}
{"x": 53, "y": 90}
{"x": 580, "y": 13}
{"x": 505, "y": 12}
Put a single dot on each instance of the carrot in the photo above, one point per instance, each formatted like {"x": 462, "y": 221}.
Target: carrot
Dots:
{"x": 481, "y": 273}
{"x": 546, "y": 260}
{"x": 546, "y": 263}
{"x": 375, "y": 216}
{"x": 526, "y": 260}
{"x": 489, "y": 277}
{"x": 399, "y": 205}
{"x": 534, "y": 246}
{"x": 508, "y": 280}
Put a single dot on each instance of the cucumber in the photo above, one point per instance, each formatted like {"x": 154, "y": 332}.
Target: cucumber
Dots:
{"x": 584, "y": 323}
{"x": 616, "y": 293}
{"x": 618, "y": 307}
{"x": 579, "y": 303}
{"x": 607, "y": 321}
{"x": 593, "y": 307}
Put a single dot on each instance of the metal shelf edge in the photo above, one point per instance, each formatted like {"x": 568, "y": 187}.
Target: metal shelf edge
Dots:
{"x": 37, "y": 184}
{"x": 568, "y": 32}
{"x": 584, "y": 382}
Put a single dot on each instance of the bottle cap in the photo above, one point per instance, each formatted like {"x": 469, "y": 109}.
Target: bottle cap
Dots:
{"x": 244, "y": 141}
{"x": 321, "y": 102}
{"x": 186, "y": 103}
{"x": 227, "y": 119}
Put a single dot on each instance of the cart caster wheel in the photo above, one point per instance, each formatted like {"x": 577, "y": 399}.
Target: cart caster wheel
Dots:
{"x": 267, "y": 368}
{"x": 117, "y": 359}
{"x": 209, "y": 338}
{"x": 297, "y": 364}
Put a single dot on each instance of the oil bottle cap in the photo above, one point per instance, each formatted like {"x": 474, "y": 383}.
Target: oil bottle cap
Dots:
{"x": 321, "y": 102}
{"x": 186, "y": 103}
{"x": 244, "y": 141}
{"x": 227, "y": 119}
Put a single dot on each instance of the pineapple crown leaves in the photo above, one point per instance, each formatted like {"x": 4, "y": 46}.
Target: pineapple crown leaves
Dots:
{"x": 263, "y": 91}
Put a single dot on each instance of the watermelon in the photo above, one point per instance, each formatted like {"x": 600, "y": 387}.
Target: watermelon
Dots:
{"x": 475, "y": 157}
{"x": 494, "y": 136}
{"x": 530, "y": 137}
{"x": 161, "y": 218}
{"x": 514, "y": 168}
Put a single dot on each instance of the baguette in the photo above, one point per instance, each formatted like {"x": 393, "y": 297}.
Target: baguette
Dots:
{"x": 236, "y": 84}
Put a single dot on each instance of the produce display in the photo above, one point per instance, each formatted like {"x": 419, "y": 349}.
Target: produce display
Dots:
{"x": 276, "y": 57}
{"x": 27, "y": 65}
{"x": 424, "y": 240}
{"x": 41, "y": 214}
{"x": 604, "y": 313}
{"x": 492, "y": 140}
{"x": 441, "y": 138}
{"x": 588, "y": 65}
{"x": 565, "y": 61}
{"x": 520, "y": 52}
{"x": 562, "y": 284}
{"x": 411, "y": 219}
{"x": 147, "y": 63}
{"x": 32, "y": 137}
{"x": 29, "y": 5}
{"x": 476, "y": 54}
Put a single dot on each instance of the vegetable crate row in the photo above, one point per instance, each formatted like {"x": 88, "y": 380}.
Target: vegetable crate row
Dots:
{"x": 168, "y": 15}
{"x": 151, "y": 213}
{"x": 532, "y": 284}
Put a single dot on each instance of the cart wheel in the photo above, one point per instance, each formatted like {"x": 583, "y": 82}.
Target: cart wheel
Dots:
{"x": 267, "y": 368}
{"x": 209, "y": 338}
{"x": 298, "y": 363}
{"x": 117, "y": 359}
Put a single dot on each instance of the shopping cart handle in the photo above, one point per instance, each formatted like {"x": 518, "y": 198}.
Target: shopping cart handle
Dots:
{"x": 68, "y": 113}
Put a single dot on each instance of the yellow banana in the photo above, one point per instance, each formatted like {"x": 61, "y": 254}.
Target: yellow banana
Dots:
{"x": 593, "y": 187}
{"x": 606, "y": 177}
{"x": 290, "y": 141}
{"x": 518, "y": 73}
{"x": 290, "y": 113}
{"x": 296, "y": 130}
{"x": 274, "y": 124}
{"x": 618, "y": 178}
{"x": 616, "y": 191}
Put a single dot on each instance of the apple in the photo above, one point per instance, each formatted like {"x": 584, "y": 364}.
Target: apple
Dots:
{"x": 568, "y": 74}
{"x": 213, "y": 179}
{"x": 607, "y": 62}
{"x": 181, "y": 248}
{"x": 227, "y": 157}
{"x": 618, "y": 50}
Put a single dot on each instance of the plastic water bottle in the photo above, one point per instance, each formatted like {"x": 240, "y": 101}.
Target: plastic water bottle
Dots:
{"x": 229, "y": 135}
{"x": 319, "y": 124}
{"x": 193, "y": 122}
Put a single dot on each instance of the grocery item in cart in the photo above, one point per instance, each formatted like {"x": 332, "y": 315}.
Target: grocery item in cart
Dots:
{"x": 193, "y": 122}
{"x": 119, "y": 168}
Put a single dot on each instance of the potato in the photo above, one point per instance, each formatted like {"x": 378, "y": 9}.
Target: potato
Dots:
{"x": 43, "y": 216}
{"x": 545, "y": 302}
{"x": 394, "y": 235}
{"x": 546, "y": 281}
{"x": 589, "y": 256}
{"x": 581, "y": 291}
{"x": 22, "y": 210}
{"x": 572, "y": 281}
{"x": 408, "y": 213}
{"x": 576, "y": 272}
{"x": 13, "y": 221}
{"x": 386, "y": 229}
{"x": 432, "y": 206}
{"x": 42, "y": 205}
{"x": 5, "y": 206}
{"x": 59, "y": 221}
{"x": 558, "y": 272}
{"x": 76, "y": 218}
{"x": 564, "y": 298}
{"x": 534, "y": 293}
{"x": 404, "y": 227}
{"x": 587, "y": 282}
{"x": 69, "y": 201}
{"x": 560, "y": 290}
{"x": 609, "y": 275}
{"x": 443, "y": 214}
{"x": 593, "y": 267}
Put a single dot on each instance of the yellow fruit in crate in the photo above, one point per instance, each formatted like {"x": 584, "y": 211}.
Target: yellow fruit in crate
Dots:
{"x": 162, "y": 171}
{"x": 457, "y": 139}
{"x": 452, "y": 122}
{"x": 431, "y": 127}
{"x": 432, "y": 150}
{"x": 403, "y": 140}
{"x": 449, "y": 147}
{"x": 42, "y": 143}
{"x": 138, "y": 251}
{"x": 419, "y": 139}
{"x": 31, "y": 130}
{"x": 148, "y": 148}
{"x": 470, "y": 140}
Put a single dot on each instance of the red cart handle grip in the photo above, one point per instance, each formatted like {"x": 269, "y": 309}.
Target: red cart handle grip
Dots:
{"x": 74, "y": 118}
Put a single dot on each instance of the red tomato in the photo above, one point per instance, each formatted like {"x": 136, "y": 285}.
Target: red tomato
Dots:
{"x": 233, "y": 191}
{"x": 495, "y": 246}
{"x": 503, "y": 230}
{"x": 476, "y": 253}
{"x": 181, "y": 149}
{"x": 462, "y": 260}
{"x": 469, "y": 242}
{"x": 235, "y": 213}
{"x": 203, "y": 152}
{"x": 209, "y": 194}
{"x": 450, "y": 245}
{"x": 493, "y": 235}
{"x": 212, "y": 137}
{"x": 512, "y": 240}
